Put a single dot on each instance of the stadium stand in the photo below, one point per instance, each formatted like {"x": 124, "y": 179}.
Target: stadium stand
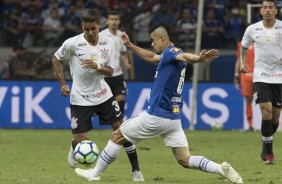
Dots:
{"x": 16, "y": 16}
{"x": 220, "y": 70}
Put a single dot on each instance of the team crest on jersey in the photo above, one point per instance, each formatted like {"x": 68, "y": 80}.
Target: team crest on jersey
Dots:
{"x": 175, "y": 49}
{"x": 105, "y": 53}
{"x": 175, "y": 109}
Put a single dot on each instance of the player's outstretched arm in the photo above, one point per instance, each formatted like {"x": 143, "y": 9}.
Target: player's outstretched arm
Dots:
{"x": 146, "y": 55}
{"x": 204, "y": 56}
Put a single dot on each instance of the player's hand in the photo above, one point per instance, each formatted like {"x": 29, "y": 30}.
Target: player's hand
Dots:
{"x": 65, "y": 89}
{"x": 88, "y": 63}
{"x": 244, "y": 68}
{"x": 236, "y": 81}
{"x": 125, "y": 39}
{"x": 207, "y": 56}
{"x": 236, "y": 85}
{"x": 127, "y": 66}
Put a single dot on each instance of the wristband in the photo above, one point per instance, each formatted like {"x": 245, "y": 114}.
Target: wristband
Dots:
{"x": 99, "y": 67}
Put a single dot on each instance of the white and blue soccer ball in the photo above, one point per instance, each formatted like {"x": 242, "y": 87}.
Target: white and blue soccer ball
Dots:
{"x": 86, "y": 152}
{"x": 217, "y": 125}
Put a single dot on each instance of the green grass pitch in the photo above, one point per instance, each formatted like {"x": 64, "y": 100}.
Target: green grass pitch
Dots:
{"x": 40, "y": 157}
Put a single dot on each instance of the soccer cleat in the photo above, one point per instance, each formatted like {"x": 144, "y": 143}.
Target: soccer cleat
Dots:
{"x": 71, "y": 159}
{"x": 251, "y": 129}
{"x": 270, "y": 159}
{"x": 228, "y": 172}
{"x": 89, "y": 175}
{"x": 263, "y": 152}
{"x": 137, "y": 176}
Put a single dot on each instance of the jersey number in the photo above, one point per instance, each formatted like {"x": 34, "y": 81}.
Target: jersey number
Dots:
{"x": 181, "y": 82}
{"x": 115, "y": 103}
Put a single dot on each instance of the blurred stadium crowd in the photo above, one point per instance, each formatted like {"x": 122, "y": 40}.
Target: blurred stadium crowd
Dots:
{"x": 40, "y": 22}
{"x": 47, "y": 23}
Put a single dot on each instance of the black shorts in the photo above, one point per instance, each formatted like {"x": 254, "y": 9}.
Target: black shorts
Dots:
{"x": 117, "y": 85}
{"x": 108, "y": 113}
{"x": 265, "y": 92}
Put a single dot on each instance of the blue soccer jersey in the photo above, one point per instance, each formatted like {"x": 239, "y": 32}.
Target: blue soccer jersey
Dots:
{"x": 166, "y": 93}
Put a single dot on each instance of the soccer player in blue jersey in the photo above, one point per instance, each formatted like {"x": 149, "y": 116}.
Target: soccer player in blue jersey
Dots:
{"x": 162, "y": 116}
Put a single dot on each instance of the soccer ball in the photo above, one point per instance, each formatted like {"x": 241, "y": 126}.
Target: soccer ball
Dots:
{"x": 86, "y": 152}
{"x": 217, "y": 125}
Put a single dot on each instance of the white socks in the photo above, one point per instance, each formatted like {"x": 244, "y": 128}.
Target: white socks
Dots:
{"x": 130, "y": 149}
{"x": 204, "y": 164}
{"x": 107, "y": 156}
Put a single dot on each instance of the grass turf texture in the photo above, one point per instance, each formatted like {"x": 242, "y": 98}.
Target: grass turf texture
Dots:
{"x": 40, "y": 157}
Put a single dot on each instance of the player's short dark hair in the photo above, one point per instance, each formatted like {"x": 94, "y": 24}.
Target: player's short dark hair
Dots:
{"x": 272, "y": 1}
{"x": 90, "y": 15}
{"x": 113, "y": 12}
{"x": 166, "y": 27}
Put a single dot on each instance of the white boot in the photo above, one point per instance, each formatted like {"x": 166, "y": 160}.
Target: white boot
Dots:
{"x": 71, "y": 159}
{"x": 89, "y": 174}
{"x": 137, "y": 176}
{"x": 227, "y": 171}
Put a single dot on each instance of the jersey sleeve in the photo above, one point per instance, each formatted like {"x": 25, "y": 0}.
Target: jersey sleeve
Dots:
{"x": 123, "y": 47}
{"x": 247, "y": 39}
{"x": 111, "y": 59}
{"x": 64, "y": 51}
{"x": 173, "y": 53}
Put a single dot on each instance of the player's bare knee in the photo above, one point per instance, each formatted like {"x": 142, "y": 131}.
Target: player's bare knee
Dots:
{"x": 266, "y": 112}
{"x": 182, "y": 155}
{"x": 116, "y": 124}
{"x": 80, "y": 137}
{"x": 184, "y": 162}
{"x": 120, "y": 98}
{"x": 116, "y": 136}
